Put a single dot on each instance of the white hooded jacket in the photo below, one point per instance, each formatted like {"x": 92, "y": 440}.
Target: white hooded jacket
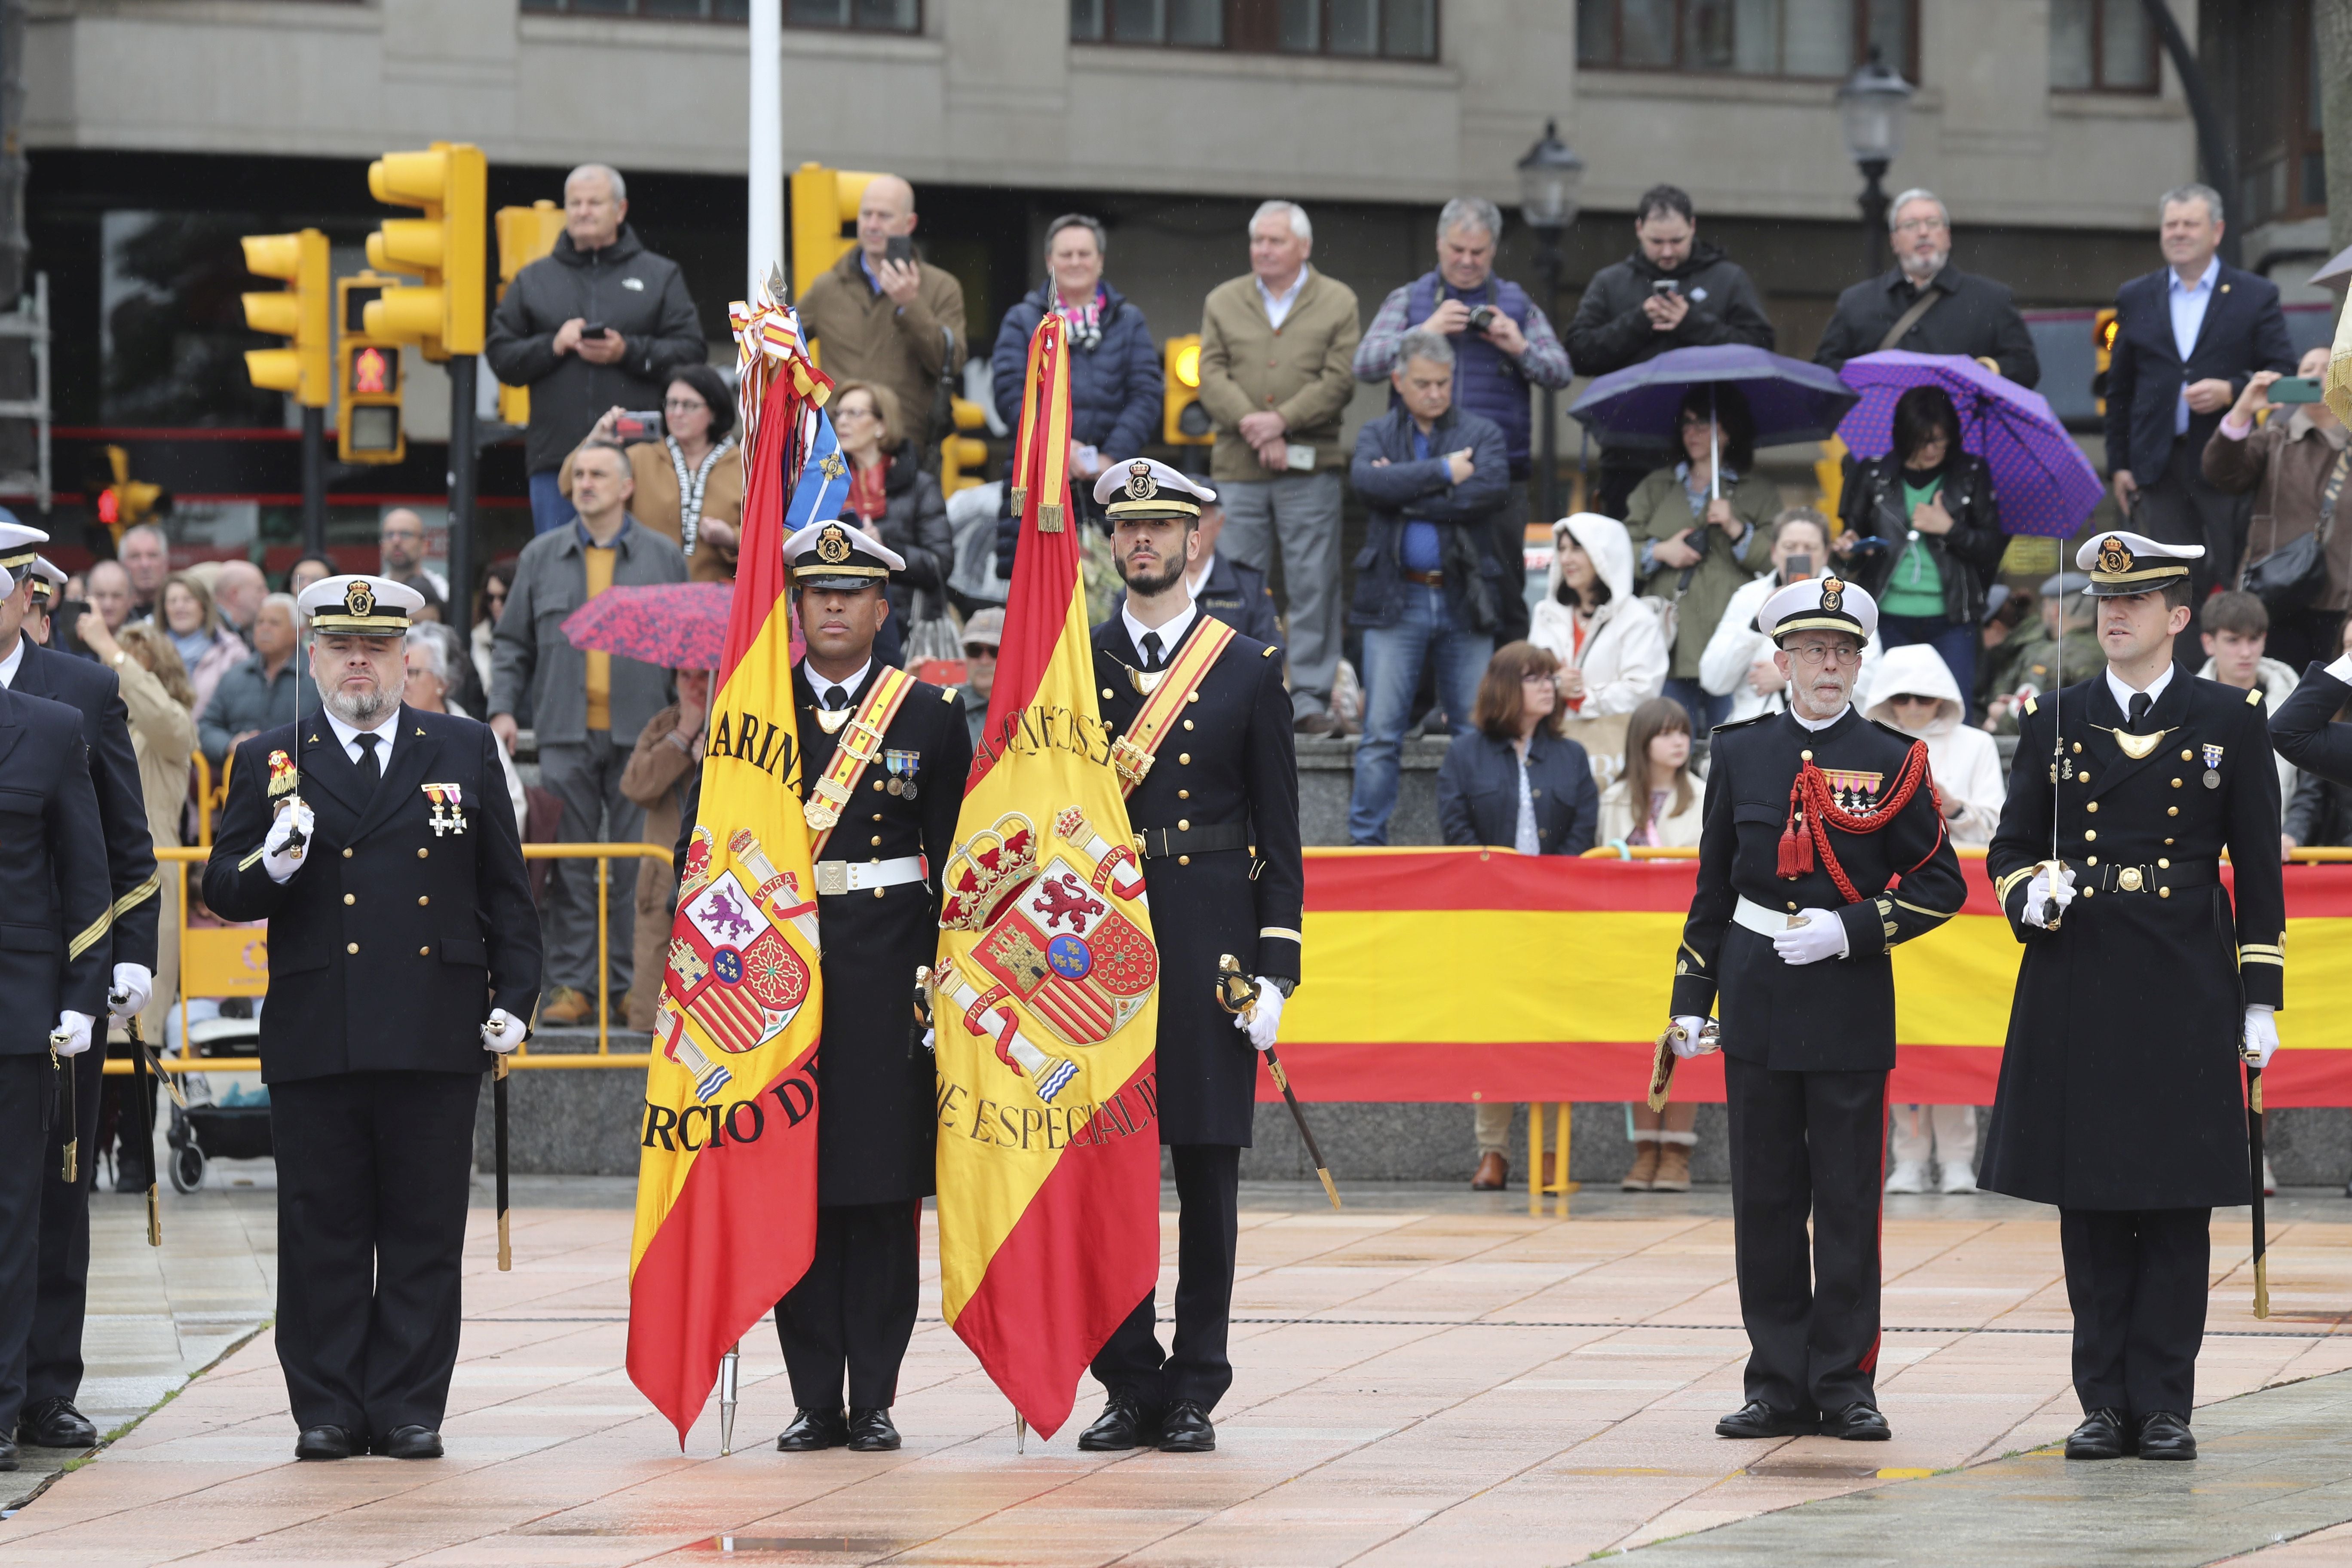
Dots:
{"x": 1625, "y": 653}
{"x": 1963, "y": 761}
{"x": 1737, "y": 645}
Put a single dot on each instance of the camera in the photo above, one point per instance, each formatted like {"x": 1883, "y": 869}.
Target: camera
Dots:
{"x": 1483, "y": 317}
{"x": 643, "y": 424}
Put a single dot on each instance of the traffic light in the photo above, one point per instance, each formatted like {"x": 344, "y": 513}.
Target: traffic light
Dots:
{"x": 823, "y": 200}
{"x": 367, "y": 377}
{"x": 1182, "y": 421}
{"x": 447, "y": 248}
{"x": 298, "y": 311}
{"x": 960, "y": 456}
{"x": 122, "y": 502}
{"x": 525, "y": 234}
{"x": 2103, "y": 351}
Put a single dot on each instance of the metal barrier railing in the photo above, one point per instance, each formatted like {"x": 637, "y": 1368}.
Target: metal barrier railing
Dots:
{"x": 237, "y": 963}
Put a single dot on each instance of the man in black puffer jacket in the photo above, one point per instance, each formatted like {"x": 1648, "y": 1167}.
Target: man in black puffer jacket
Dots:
{"x": 598, "y": 275}
{"x": 1673, "y": 293}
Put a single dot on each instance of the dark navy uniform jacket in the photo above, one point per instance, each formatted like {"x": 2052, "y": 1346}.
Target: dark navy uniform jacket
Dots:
{"x": 1837, "y": 1014}
{"x": 394, "y": 937}
{"x": 97, "y": 693}
{"x": 56, "y": 910}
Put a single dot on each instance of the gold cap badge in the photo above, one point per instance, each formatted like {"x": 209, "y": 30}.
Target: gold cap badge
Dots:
{"x": 359, "y": 599}
{"x": 1832, "y": 593}
{"x": 2113, "y": 557}
{"x": 1140, "y": 484}
{"x": 833, "y": 546}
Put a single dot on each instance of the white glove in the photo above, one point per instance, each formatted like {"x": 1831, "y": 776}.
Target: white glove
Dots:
{"x": 132, "y": 986}
{"x": 279, "y": 857}
{"x": 1265, "y": 1017}
{"x": 2261, "y": 1035}
{"x": 1691, "y": 1039}
{"x": 1822, "y": 935}
{"x": 504, "y": 1032}
{"x": 71, "y": 1037}
{"x": 2039, "y": 892}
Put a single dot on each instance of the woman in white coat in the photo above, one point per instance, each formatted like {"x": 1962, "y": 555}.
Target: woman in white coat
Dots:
{"x": 1915, "y": 692}
{"x": 1738, "y": 659}
{"x": 1612, "y": 652}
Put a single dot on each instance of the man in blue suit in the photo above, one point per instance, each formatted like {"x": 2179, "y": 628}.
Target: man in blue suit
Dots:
{"x": 2188, "y": 336}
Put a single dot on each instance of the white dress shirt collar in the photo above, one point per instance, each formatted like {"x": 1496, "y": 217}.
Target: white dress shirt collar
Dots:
{"x": 821, "y": 686}
{"x": 349, "y": 736}
{"x": 13, "y": 663}
{"x": 1168, "y": 635}
{"x": 2124, "y": 694}
{"x": 1818, "y": 725}
{"x": 2205, "y": 279}
{"x": 1277, "y": 306}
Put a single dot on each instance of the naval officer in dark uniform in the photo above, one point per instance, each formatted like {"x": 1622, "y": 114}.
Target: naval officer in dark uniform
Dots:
{"x": 1822, "y": 850}
{"x": 53, "y": 1363}
{"x": 55, "y": 911}
{"x": 1217, "y": 817}
{"x": 377, "y": 842}
{"x": 845, "y": 1327}
{"x": 2120, "y": 1097}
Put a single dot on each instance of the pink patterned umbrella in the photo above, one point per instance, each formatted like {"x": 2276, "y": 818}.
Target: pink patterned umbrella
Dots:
{"x": 676, "y": 626}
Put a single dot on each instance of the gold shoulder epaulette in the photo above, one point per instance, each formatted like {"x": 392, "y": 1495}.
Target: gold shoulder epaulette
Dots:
{"x": 2253, "y": 697}
{"x": 2032, "y": 704}
{"x": 947, "y": 693}
{"x": 1268, "y": 652}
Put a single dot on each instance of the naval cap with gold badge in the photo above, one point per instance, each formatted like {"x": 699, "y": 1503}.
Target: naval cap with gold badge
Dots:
{"x": 360, "y": 607}
{"x": 1818, "y": 604}
{"x": 49, "y": 581}
{"x": 2121, "y": 564}
{"x": 1141, "y": 487}
{"x": 19, "y": 544}
{"x": 838, "y": 554}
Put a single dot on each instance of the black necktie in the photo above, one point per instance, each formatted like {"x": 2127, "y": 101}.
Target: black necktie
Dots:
{"x": 836, "y": 697}
{"x": 1153, "y": 651}
{"x": 2140, "y": 703}
{"x": 370, "y": 770}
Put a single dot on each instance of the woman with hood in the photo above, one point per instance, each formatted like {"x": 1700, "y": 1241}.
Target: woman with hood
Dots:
{"x": 1737, "y": 663}
{"x": 1612, "y": 651}
{"x": 1915, "y": 692}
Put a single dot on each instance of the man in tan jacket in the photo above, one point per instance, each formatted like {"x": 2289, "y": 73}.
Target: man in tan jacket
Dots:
{"x": 1277, "y": 352}
{"x": 893, "y": 322}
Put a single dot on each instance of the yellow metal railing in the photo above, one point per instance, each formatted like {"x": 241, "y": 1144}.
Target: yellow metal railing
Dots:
{"x": 233, "y": 960}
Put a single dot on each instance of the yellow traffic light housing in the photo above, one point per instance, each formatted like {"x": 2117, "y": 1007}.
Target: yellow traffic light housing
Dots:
{"x": 524, "y": 235}
{"x": 1182, "y": 421}
{"x": 128, "y": 503}
{"x": 823, "y": 200}
{"x": 447, "y": 248}
{"x": 2102, "y": 353}
{"x": 960, "y": 456}
{"x": 298, "y": 312}
{"x": 367, "y": 377}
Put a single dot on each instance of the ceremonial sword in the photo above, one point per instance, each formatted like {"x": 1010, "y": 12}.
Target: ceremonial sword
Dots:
{"x": 1237, "y": 994}
{"x": 2254, "y": 1165}
{"x": 143, "y": 1086}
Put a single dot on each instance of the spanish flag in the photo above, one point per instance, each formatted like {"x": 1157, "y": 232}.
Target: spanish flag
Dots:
{"x": 727, "y": 1175}
{"x": 1045, "y": 992}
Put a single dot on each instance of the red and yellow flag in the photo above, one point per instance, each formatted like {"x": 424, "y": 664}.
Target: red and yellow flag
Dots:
{"x": 726, "y": 1177}
{"x": 1047, "y": 982}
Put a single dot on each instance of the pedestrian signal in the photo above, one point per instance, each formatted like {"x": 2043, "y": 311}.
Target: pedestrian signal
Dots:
{"x": 367, "y": 376}
{"x": 121, "y": 503}
{"x": 1182, "y": 421}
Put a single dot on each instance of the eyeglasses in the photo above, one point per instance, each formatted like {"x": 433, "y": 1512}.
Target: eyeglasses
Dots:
{"x": 1538, "y": 678}
{"x": 1907, "y": 700}
{"x": 1813, "y": 656}
{"x": 1920, "y": 225}
{"x": 978, "y": 650}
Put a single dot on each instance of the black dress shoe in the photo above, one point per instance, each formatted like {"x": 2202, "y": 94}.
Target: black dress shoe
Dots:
{"x": 2103, "y": 1435}
{"x": 410, "y": 1443}
{"x": 2165, "y": 1436}
{"x": 812, "y": 1430}
{"x": 1186, "y": 1429}
{"x": 1857, "y": 1423}
{"x": 870, "y": 1432}
{"x": 1758, "y": 1419}
{"x": 54, "y": 1423}
{"x": 1123, "y": 1424}
{"x": 325, "y": 1443}
{"x": 7, "y": 1452}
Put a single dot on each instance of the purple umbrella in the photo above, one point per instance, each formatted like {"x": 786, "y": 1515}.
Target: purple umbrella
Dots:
{"x": 1642, "y": 404}
{"x": 676, "y": 626}
{"x": 2043, "y": 482}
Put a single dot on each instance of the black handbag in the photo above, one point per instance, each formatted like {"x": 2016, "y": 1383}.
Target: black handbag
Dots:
{"x": 2290, "y": 577}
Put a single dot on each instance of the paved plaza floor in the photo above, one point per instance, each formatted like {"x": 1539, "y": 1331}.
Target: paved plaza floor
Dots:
{"x": 1428, "y": 1377}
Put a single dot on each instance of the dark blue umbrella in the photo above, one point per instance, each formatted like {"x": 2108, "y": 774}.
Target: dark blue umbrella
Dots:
{"x": 1642, "y": 404}
{"x": 2040, "y": 480}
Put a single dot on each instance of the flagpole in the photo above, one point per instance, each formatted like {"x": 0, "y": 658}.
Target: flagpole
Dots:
{"x": 766, "y": 163}
{"x": 729, "y": 1366}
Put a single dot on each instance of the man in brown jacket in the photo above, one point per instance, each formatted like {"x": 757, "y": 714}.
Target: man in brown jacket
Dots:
{"x": 892, "y": 322}
{"x": 1277, "y": 357}
{"x": 2297, "y": 462}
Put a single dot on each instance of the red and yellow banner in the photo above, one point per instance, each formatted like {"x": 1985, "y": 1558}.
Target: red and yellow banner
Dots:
{"x": 727, "y": 1175}
{"x": 1046, "y": 996}
{"x": 1460, "y": 974}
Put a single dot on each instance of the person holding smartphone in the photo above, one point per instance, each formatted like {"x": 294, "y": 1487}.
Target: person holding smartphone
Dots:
{"x": 2295, "y": 464}
{"x": 881, "y": 314}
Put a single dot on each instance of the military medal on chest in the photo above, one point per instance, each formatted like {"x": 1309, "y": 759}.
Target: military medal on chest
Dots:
{"x": 2212, "y": 766}
{"x": 901, "y": 766}
{"x": 449, "y": 808}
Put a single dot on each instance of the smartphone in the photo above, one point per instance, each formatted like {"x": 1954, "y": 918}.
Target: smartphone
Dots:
{"x": 1665, "y": 286}
{"x": 594, "y": 330}
{"x": 2295, "y": 389}
{"x": 900, "y": 248}
{"x": 65, "y": 619}
{"x": 1800, "y": 567}
{"x": 642, "y": 424}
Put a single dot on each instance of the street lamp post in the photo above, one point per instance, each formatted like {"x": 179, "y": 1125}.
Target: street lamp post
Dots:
{"x": 1871, "y": 107}
{"x": 1549, "y": 176}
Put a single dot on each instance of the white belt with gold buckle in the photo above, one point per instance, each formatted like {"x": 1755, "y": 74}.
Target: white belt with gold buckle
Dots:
{"x": 836, "y": 877}
{"x": 1759, "y": 920}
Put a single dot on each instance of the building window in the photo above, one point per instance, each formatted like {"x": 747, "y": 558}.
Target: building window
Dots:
{"x": 2282, "y": 165}
{"x": 855, "y": 15}
{"x": 1371, "y": 30}
{"x": 2101, "y": 46}
{"x": 1823, "y": 39}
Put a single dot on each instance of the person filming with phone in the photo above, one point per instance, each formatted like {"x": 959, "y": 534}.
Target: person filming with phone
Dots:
{"x": 880, "y": 314}
{"x": 2295, "y": 464}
